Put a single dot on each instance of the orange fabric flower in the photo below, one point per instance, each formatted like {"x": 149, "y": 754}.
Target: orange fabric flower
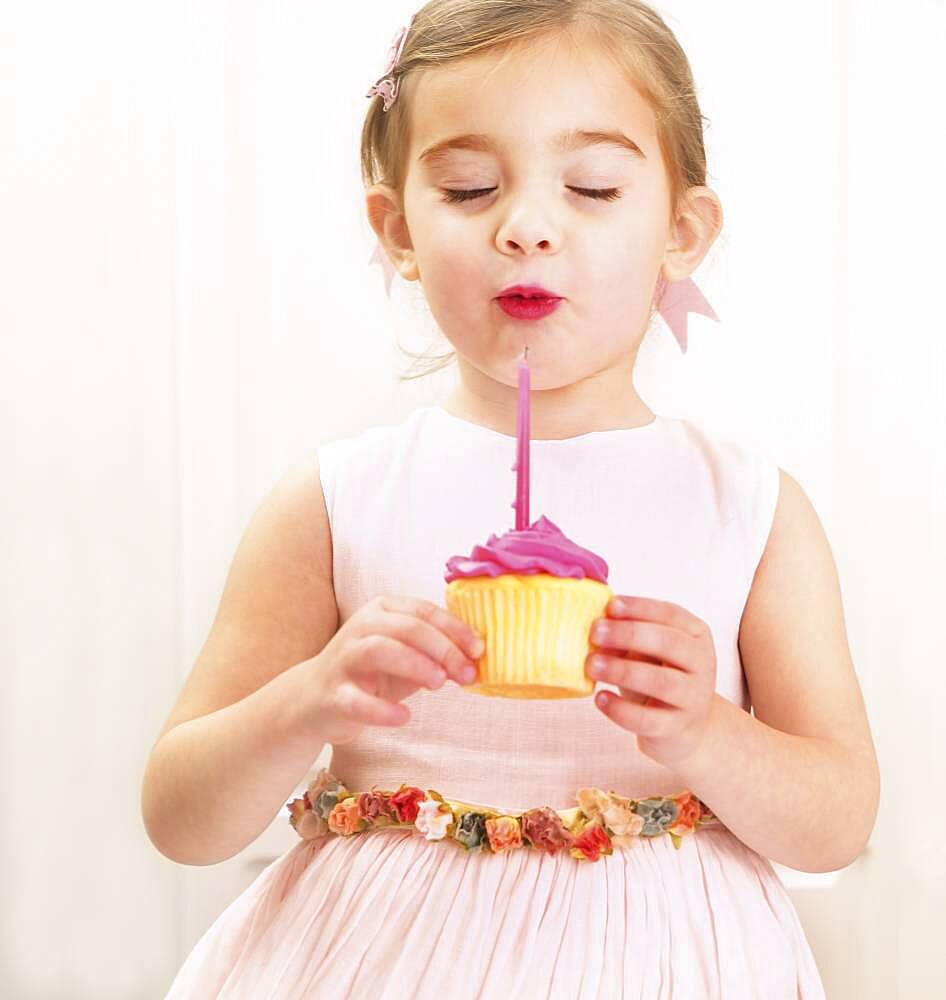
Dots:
{"x": 685, "y": 822}
{"x": 344, "y": 818}
{"x": 504, "y": 833}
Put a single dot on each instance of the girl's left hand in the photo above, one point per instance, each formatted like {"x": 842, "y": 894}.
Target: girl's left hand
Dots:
{"x": 663, "y": 660}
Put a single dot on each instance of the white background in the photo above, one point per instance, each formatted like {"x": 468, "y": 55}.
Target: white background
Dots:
{"x": 186, "y": 307}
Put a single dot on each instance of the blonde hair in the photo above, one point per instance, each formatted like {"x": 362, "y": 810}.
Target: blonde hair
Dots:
{"x": 631, "y": 32}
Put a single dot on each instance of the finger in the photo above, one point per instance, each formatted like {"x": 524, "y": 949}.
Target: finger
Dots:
{"x": 639, "y": 699}
{"x": 668, "y": 685}
{"x": 387, "y": 655}
{"x": 647, "y": 639}
{"x": 617, "y": 651}
{"x": 356, "y": 705}
{"x": 429, "y": 641}
{"x": 434, "y": 631}
{"x": 631, "y": 696}
{"x": 645, "y": 720}
{"x": 659, "y": 612}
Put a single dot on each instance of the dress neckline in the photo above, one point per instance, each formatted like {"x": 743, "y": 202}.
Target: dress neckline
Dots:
{"x": 645, "y": 430}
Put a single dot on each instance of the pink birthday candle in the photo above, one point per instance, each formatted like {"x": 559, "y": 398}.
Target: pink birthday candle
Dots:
{"x": 522, "y": 447}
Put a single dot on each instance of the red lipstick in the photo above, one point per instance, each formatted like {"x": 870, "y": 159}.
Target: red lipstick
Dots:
{"x": 529, "y": 292}
{"x": 528, "y": 301}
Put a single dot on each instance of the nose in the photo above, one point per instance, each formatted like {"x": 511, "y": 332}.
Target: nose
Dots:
{"x": 514, "y": 244}
{"x": 527, "y": 229}
{"x": 509, "y": 243}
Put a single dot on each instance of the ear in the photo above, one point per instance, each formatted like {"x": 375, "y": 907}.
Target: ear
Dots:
{"x": 698, "y": 223}
{"x": 386, "y": 215}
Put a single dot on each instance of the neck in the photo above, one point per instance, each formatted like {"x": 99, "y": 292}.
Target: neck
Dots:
{"x": 548, "y": 418}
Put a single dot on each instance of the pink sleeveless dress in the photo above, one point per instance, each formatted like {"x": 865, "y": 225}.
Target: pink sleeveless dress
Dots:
{"x": 677, "y": 516}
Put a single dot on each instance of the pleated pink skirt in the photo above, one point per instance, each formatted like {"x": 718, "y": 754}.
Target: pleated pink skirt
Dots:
{"x": 388, "y": 914}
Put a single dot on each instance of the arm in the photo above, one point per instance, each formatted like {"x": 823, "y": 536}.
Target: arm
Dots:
{"x": 807, "y": 803}
{"x": 232, "y": 751}
{"x": 799, "y": 781}
{"x": 213, "y": 784}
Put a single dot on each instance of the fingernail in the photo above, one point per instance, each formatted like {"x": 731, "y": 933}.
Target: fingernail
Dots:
{"x": 600, "y": 633}
{"x": 477, "y": 647}
{"x": 468, "y": 674}
{"x": 596, "y": 667}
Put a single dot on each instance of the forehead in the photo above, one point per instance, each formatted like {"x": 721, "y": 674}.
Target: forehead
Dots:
{"x": 539, "y": 96}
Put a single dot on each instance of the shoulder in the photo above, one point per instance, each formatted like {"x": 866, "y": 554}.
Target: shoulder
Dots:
{"x": 742, "y": 480}
{"x": 792, "y": 636}
{"x": 370, "y": 439}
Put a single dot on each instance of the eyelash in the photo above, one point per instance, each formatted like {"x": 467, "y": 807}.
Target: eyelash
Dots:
{"x": 598, "y": 194}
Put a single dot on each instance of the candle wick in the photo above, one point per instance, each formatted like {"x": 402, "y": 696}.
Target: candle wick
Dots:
{"x": 527, "y": 352}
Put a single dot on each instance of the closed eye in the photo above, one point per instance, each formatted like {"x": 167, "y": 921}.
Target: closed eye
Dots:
{"x": 600, "y": 194}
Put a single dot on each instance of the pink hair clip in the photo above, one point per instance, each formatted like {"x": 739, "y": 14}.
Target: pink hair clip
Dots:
{"x": 387, "y": 87}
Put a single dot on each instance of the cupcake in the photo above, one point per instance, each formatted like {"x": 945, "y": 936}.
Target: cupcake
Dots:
{"x": 533, "y": 596}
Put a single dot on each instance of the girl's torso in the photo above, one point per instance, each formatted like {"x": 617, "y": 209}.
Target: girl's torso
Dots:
{"x": 677, "y": 515}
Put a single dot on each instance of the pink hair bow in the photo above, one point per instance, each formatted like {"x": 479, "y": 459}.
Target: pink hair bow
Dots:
{"x": 679, "y": 298}
{"x": 387, "y": 87}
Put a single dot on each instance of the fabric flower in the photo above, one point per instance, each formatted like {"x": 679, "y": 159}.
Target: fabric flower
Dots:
{"x": 591, "y": 843}
{"x": 311, "y": 826}
{"x": 344, "y": 817}
{"x": 620, "y": 818}
{"x": 433, "y": 818}
{"x": 504, "y": 833}
{"x": 688, "y": 807}
{"x": 658, "y": 814}
{"x": 470, "y": 830}
{"x": 323, "y": 779}
{"x": 405, "y": 803}
{"x": 324, "y": 792}
{"x": 296, "y": 808}
{"x": 611, "y": 810}
{"x": 307, "y": 823}
{"x": 544, "y": 830}
{"x": 374, "y": 808}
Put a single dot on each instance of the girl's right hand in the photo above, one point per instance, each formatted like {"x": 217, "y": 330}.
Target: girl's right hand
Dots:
{"x": 389, "y": 648}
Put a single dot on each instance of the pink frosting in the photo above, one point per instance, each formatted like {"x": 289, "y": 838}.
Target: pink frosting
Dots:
{"x": 541, "y": 548}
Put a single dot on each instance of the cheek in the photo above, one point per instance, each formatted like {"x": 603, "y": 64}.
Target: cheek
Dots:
{"x": 457, "y": 293}
{"x": 619, "y": 289}
{"x": 451, "y": 273}
{"x": 619, "y": 272}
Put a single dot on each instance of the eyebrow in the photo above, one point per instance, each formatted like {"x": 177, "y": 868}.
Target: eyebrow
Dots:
{"x": 564, "y": 142}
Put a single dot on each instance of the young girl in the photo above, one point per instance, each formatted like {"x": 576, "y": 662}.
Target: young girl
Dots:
{"x": 607, "y": 847}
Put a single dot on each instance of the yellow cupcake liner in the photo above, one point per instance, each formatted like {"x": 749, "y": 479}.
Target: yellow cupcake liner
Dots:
{"x": 536, "y": 627}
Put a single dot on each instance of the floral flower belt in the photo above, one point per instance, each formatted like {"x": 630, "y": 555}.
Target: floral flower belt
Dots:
{"x": 600, "y": 822}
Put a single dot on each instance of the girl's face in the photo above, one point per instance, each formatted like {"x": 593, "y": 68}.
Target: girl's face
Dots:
{"x": 589, "y": 221}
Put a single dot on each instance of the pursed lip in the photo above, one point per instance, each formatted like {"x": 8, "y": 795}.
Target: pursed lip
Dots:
{"x": 528, "y": 291}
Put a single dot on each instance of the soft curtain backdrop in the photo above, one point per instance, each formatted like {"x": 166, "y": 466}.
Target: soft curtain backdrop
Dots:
{"x": 186, "y": 308}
